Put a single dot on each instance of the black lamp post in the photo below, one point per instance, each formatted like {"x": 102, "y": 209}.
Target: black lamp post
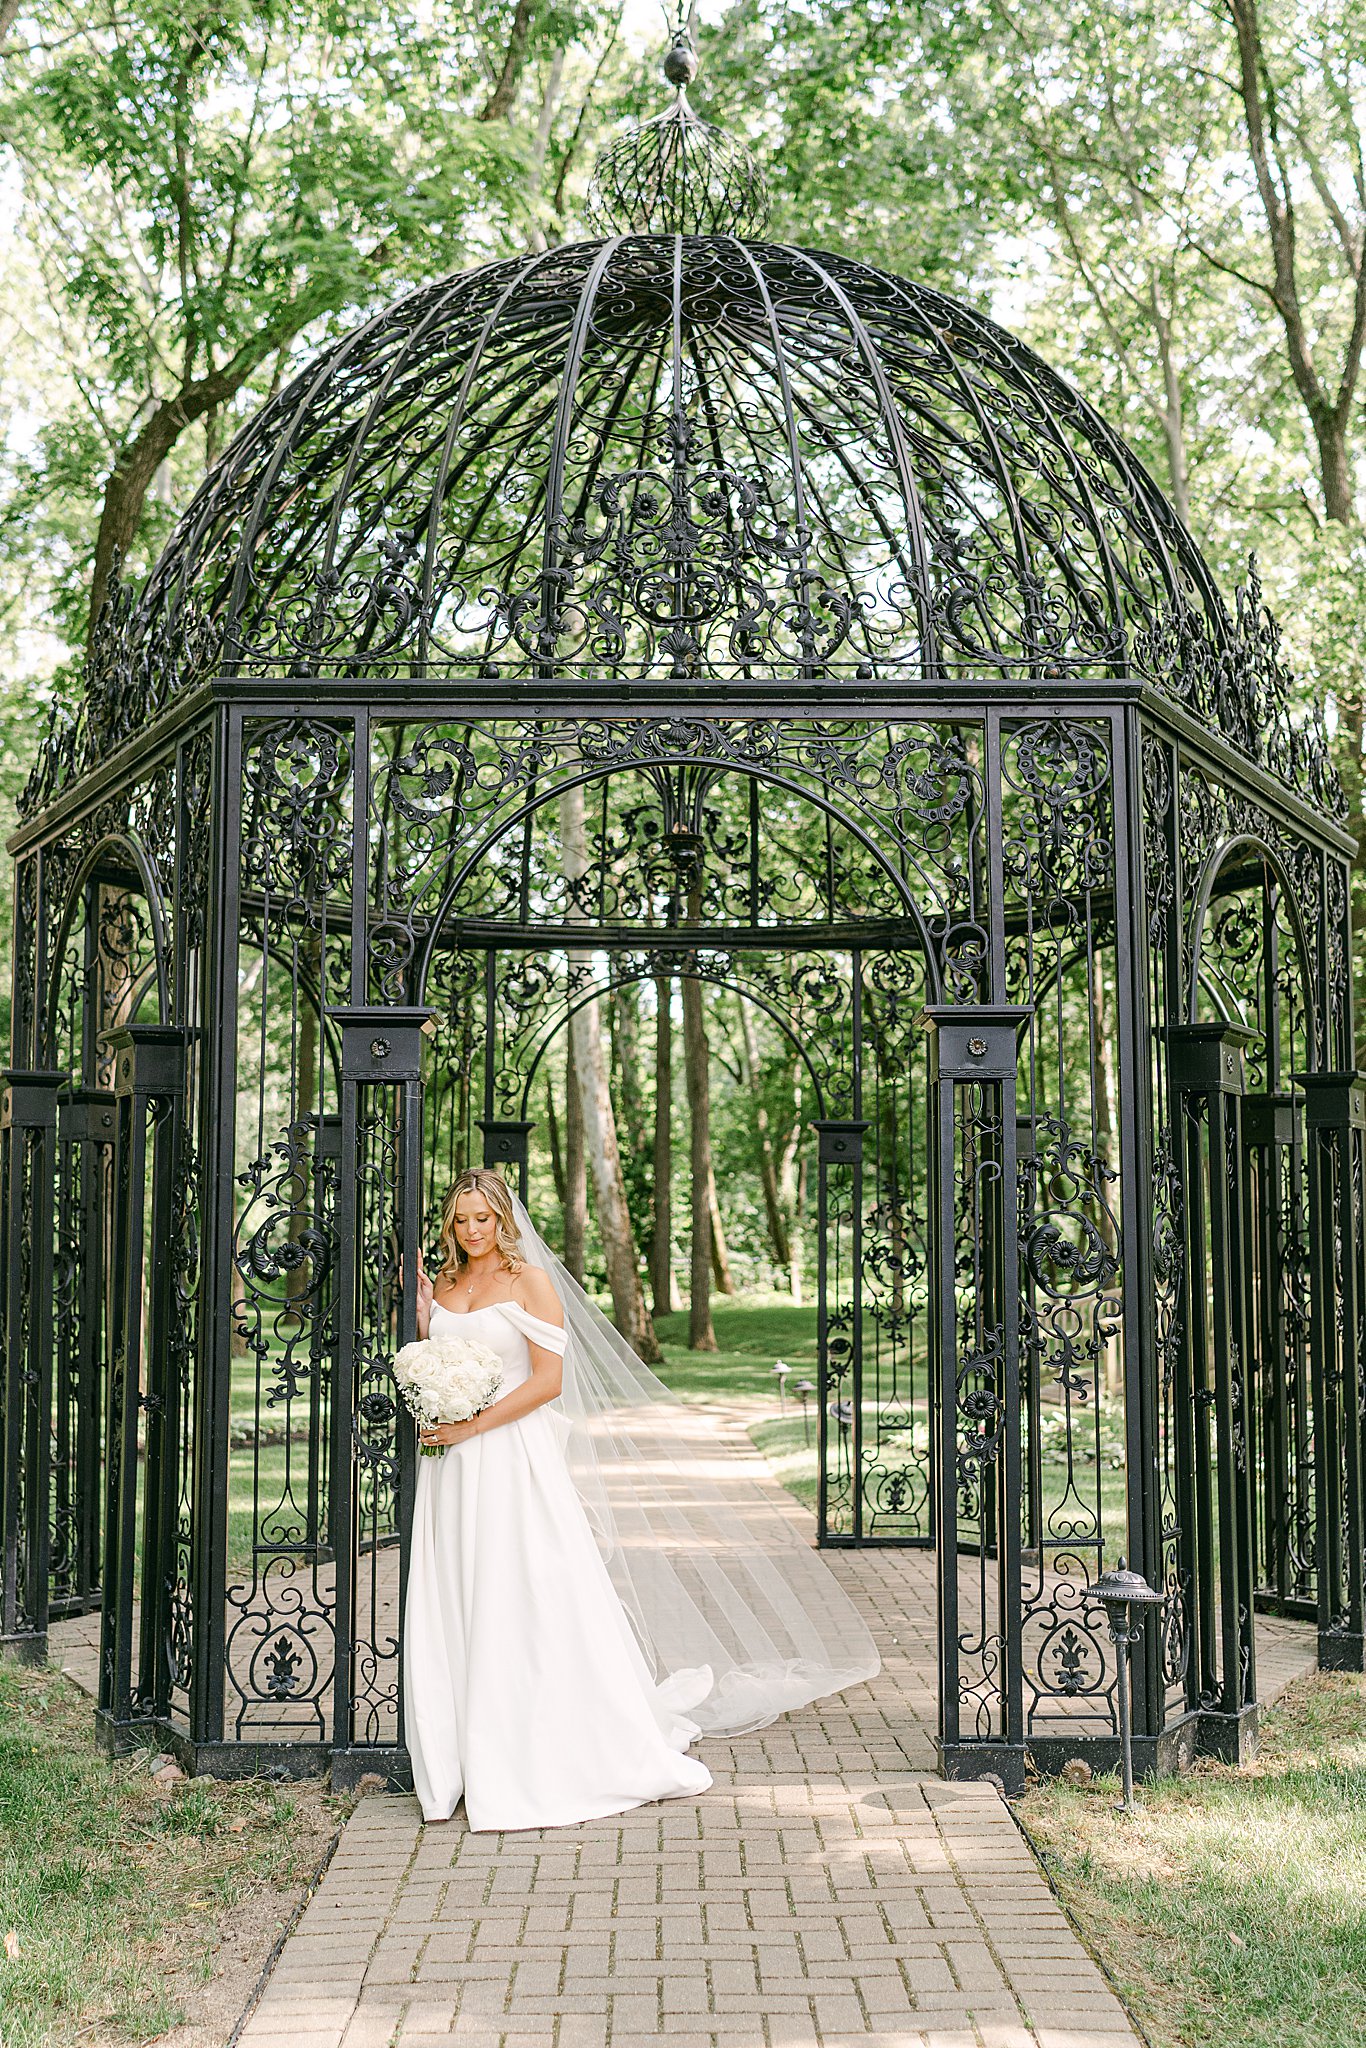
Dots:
{"x": 1118, "y": 1592}
{"x": 805, "y": 1388}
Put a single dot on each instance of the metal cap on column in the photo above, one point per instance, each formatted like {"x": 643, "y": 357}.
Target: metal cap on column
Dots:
{"x": 1209, "y": 1058}
{"x": 505, "y": 1139}
{"x": 28, "y": 1097}
{"x": 980, "y": 1043}
{"x": 1334, "y": 1100}
{"x": 87, "y": 1115}
{"x": 380, "y": 1042}
{"x": 839, "y": 1140}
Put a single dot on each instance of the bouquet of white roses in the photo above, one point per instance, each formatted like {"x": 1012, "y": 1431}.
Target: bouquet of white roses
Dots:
{"x": 446, "y": 1382}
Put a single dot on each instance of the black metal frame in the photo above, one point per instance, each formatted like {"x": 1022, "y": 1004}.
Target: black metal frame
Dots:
{"x": 887, "y": 695}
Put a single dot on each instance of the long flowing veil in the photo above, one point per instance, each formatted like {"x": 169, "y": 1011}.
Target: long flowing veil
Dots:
{"x": 714, "y": 1572}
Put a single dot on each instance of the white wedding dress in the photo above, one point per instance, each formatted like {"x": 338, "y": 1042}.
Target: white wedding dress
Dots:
{"x": 526, "y": 1689}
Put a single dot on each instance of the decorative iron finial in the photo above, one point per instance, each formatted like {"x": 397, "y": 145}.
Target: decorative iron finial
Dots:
{"x": 677, "y": 174}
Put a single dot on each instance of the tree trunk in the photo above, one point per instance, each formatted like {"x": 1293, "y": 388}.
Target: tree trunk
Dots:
{"x": 701, "y": 1335}
{"x": 609, "y": 1187}
{"x": 1105, "y": 1147}
{"x": 662, "y": 1228}
{"x": 594, "y": 1095}
{"x": 624, "y": 1013}
{"x": 788, "y": 1183}
{"x": 575, "y": 1178}
{"x": 556, "y": 1148}
{"x": 142, "y": 454}
{"x": 499, "y": 103}
{"x": 1172, "y": 411}
{"x": 1335, "y": 470}
{"x": 768, "y": 1166}
{"x": 720, "y": 1257}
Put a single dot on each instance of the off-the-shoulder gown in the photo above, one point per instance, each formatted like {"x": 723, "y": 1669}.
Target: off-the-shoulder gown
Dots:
{"x": 526, "y": 1689}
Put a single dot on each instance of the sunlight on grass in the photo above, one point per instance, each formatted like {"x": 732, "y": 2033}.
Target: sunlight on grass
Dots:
{"x": 1231, "y": 1910}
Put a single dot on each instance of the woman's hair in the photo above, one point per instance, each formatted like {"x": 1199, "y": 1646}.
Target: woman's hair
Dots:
{"x": 481, "y": 1180}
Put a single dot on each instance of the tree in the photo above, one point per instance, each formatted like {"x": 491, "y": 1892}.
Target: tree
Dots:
{"x": 204, "y": 187}
{"x": 701, "y": 1334}
{"x": 662, "y": 1220}
{"x": 591, "y": 1083}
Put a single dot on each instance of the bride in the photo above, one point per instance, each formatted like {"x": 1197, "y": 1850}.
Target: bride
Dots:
{"x": 589, "y": 1588}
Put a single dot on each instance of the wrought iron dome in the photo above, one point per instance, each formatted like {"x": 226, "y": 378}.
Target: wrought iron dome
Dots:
{"x": 692, "y": 457}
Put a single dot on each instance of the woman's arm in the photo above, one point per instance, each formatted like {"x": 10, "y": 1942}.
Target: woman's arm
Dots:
{"x": 423, "y": 1303}
{"x": 534, "y": 1292}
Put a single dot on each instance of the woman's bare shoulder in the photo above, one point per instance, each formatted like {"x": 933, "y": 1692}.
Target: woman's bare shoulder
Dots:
{"x": 535, "y": 1290}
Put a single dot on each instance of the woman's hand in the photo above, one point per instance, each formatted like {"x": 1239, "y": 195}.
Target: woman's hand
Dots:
{"x": 444, "y": 1433}
{"x": 425, "y": 1293}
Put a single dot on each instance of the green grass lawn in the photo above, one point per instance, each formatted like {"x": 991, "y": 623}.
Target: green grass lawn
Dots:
{"x": 1231, "y": 1910}
{"x": 113, "y": 1893}
{"x": 751, "y": 1336}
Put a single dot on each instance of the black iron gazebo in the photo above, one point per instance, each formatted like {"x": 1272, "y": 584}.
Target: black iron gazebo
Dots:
{"x": 668, "y": 605}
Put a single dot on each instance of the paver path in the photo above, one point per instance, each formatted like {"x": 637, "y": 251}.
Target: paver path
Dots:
{"x": 764, "y": 1915}
{"x": 827, "y": 1890}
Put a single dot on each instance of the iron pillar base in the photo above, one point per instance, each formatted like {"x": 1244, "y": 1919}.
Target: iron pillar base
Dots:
{"x": 1003, "y": 1763}
{"x": 278, "y": 1761}
{"x": 1154, "y": 1756}
{"x": 1232, "y": 1738}
{"x": 1341, "y": 1652}
{"x": 25, "y": 1646}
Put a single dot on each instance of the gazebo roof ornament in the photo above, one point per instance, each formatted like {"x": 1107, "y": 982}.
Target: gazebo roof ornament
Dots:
{"x": 676, "y": 173}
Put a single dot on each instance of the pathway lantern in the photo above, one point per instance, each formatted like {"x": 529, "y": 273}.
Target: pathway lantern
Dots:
{"x": 1124, "y": 1594}
{"x": 782, "y": 1369}
{"x": 805, "y": 1388}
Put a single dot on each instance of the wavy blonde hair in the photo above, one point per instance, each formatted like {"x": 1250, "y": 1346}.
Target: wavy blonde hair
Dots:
{"x": 485, "y": 1181}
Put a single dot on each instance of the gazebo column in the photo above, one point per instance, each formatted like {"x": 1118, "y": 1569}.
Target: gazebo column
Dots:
{"x": 1208, "y": 1082}
{"x": 975, "y": 1384}
{"x": 379, "y": 1203}
{"x": 28, "y": 1129}
{"x": 1335, "y": 1126}
{"x": 86, "y": 1122}
{"x": 839, "y": 1321}
{"x": 149, "y": 1081}
{"x": 1277, "y": 1379}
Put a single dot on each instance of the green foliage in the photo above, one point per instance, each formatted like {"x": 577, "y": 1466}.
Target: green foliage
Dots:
{"x": 202, "y": 191}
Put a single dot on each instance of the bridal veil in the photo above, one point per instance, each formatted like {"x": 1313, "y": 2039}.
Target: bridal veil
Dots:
{"x": 710, "y": 1567}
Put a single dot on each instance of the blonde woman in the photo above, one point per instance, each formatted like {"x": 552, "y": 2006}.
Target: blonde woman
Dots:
{"x": 526, "y": 1689}
{"x": 595, "y": 1579}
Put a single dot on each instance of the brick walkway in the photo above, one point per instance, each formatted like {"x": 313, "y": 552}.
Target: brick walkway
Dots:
{"x": 827, "y": 1890}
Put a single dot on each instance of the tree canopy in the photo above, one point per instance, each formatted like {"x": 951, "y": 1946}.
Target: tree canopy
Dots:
{"x": 1168, "y": 201}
